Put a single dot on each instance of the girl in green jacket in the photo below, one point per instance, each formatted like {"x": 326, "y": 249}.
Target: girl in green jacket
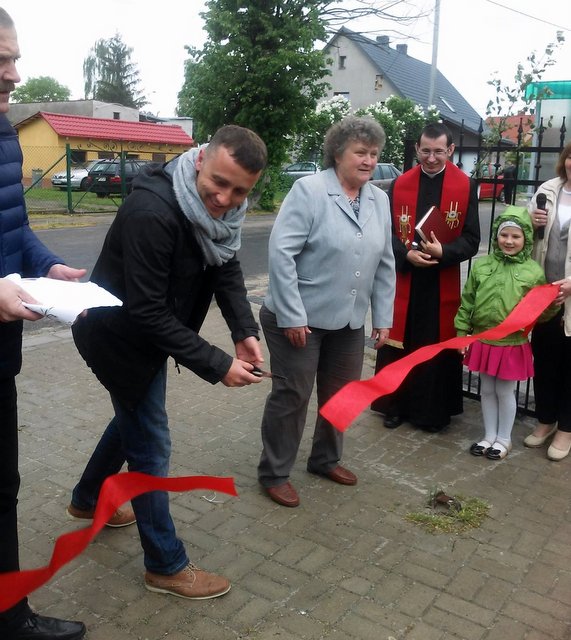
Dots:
{"x": 496, "y": 283}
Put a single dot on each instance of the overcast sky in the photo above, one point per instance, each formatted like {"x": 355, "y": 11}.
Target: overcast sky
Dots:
{"x": 476, "y": 39}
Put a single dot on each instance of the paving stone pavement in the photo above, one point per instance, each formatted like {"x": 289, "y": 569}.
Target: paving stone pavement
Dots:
{"x": 345, "y": 564}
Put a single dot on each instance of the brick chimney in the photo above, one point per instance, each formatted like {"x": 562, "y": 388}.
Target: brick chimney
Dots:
{"x": 383, "y": 40}
{"x": 402, "y": 48}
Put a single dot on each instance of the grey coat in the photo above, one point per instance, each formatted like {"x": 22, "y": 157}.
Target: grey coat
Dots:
{"x": 325, "y": 264}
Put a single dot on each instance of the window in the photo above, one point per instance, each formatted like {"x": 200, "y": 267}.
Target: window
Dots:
{"x": 379, "y": 82}
{"x": 78, "y": 157}
{"x": 345, "y": 94}
{"x": 159, "y": 157}
{"x": 342, "y": 62}
{"x": 448, "y": 104}
{"x": 116, "y": 115}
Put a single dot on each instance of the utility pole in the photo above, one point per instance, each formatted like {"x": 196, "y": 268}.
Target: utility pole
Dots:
{"x": 433, "y": 68}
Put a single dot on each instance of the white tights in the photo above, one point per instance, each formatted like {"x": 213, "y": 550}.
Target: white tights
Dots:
{"x": 499, "y": 407}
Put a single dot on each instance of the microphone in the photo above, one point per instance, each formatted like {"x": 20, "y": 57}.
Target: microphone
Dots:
{"x": 541, "y": 201}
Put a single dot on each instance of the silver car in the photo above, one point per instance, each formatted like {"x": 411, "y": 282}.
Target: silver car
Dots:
{"x": 383, "y": 174}
{"x": 301, "y": 169}
{"x": 77, "y": 177}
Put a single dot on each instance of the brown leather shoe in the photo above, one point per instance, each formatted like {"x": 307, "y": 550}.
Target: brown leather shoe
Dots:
{"x": 338, "y": 474}
{"x": 284, "y": 494}
{"x": 123, "y": 517}
{"x": 191, "y": 583}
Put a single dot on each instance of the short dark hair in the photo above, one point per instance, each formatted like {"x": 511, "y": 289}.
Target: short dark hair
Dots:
{"x": 5, "y": 19}
{"x": 352, "y": 128}
{"x": 434, "y": 130}
{"x": 560, "y": 166}
{"x": 245, "y": 146}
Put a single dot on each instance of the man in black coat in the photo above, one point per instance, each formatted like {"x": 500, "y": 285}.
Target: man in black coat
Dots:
{"x": 22, "y": 253}
{"x": 170, "y": 249}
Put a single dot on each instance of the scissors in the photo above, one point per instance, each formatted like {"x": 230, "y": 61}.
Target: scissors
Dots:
{"x": 266, "y": 374}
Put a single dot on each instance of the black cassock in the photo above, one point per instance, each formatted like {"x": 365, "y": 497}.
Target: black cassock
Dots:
{"x": 432, "y": 392}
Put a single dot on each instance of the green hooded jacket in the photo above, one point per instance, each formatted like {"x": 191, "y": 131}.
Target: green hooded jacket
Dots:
{"x": 497, "y": 282}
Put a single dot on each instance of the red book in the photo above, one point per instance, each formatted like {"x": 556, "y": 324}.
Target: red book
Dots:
{"x": 434, "y": 220}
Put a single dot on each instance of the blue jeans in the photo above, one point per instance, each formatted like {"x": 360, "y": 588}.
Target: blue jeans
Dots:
{"x": 140, "y": 437}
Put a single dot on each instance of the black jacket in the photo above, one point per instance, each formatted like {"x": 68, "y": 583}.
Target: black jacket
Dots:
{"x": 152, "y": 262}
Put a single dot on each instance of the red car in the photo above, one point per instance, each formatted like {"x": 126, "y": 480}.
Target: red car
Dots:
{"x": 487, "y": 190}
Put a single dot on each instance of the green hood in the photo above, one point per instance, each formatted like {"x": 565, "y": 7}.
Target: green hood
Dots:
{"x": 520, "y": 216}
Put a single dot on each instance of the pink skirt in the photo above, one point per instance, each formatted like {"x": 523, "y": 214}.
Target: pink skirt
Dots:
{"x": 510, "y": 362}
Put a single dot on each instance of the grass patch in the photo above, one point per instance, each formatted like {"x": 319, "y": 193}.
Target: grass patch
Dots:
{"x": 450, "y": 514}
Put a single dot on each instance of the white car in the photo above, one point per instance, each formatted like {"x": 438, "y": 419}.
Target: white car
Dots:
{"x": 77, "y": 178}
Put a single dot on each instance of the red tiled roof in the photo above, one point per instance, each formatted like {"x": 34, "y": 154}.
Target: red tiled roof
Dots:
{"x": 120, "y": 130}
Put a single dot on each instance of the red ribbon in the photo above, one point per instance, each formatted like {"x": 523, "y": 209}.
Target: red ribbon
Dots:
{"x": 116, "y": 490}
{"x": 342, "y": 408}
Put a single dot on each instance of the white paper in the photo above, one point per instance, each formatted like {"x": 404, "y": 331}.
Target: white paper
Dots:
{"x": 64, "y": 300}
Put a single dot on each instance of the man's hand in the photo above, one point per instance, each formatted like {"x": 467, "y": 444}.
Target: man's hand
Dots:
{"x": 433, "y": 247}
{"x": 250, "y": 351}
{"x": 11, "y": 307}
{"x": 420, "y": 259}
{"x": 63, "y": 272}
{"x": 296, "y": 335}
{"x": 240, "y": 374}
{"x": 380, "y": 337}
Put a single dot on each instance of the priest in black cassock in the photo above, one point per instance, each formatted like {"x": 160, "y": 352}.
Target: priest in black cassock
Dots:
{"x": 428, "y": 282}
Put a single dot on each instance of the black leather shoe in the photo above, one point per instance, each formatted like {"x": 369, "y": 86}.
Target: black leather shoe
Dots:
{"x": 431, "y": 428}
{"x": 392, "y": 422}
{"x": 43, "y": 628}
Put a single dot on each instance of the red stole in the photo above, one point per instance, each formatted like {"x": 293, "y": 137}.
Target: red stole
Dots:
{"x": 454, "y": 205}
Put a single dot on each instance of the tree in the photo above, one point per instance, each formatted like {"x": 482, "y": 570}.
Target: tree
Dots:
{"x": 110, "y": 75}
{"x": 40, "y": 89}
{"x": 259, "y": 68}
{"x": 402, "y": 119}
{"x": 513, "y": 99}
{"x": 310, "y": 142}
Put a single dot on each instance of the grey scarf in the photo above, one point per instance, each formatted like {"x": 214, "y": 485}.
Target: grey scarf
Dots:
{"x": 219, "y": 238}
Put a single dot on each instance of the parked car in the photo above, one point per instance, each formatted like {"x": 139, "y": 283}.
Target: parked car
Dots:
{"x": 77, "y": 177}
{"x": 104, "y": 177}
{"x": 383, "y": 174}
{"x": 301, "y": 169}
{"x": 489, "y": 191}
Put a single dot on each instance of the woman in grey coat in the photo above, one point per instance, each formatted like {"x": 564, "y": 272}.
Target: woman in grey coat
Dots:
{"x": 330, "y": 258}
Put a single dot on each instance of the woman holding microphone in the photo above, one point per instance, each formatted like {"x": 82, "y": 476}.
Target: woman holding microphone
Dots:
{"x": 550, "y": 211}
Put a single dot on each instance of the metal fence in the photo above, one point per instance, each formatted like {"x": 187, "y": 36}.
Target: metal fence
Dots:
{"x": 534, "y": 163}
{"x": 58, "y": 184}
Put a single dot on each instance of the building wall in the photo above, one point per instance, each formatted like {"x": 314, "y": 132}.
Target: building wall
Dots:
{"x": 40, "y": 146}
{"x": 552, "y": 111}
{"x": 186, "y": 124}
{"x": 357, "y": 77}
{"x": 87, "y": 108}
{"x": 44, "y": 149}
